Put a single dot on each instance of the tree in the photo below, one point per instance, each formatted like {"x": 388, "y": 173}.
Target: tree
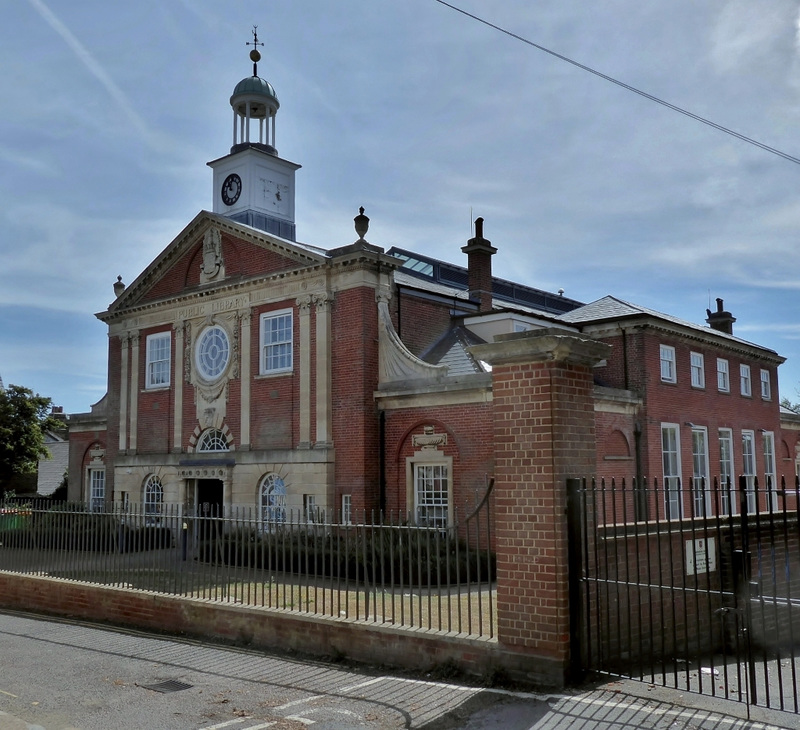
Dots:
{"x": 24, "y": 419}
{"x": 786, "y": 403}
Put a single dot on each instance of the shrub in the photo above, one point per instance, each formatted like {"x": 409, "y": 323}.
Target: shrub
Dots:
{"x": 388, "y": 555}
{"x": 71, "y": 527}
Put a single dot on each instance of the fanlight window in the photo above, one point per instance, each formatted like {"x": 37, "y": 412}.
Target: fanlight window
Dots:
{"x": 212, "y": 440}
{"x": 272, "y": 499}
{"x": 153, "y": 500}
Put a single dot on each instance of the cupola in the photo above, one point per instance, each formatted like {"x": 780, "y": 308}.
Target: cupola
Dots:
{"x": 252, "y": 184}
{"x": 254, "y": 100}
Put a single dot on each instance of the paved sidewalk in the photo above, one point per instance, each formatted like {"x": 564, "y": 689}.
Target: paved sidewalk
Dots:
{"x": 62, "y": 675}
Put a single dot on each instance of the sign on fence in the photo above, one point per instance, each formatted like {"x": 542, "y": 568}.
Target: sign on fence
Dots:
{"x": 701, "y": 556}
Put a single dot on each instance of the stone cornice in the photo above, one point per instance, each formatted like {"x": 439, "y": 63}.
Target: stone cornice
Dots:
{"x": 292, "y": 284}
{"x": 467, "y": 389}
{"x": 706, "y": 337}
{"x": 546, "y": 345}
{"x": 191, "y": 236}
{"x": 616, "y": 400}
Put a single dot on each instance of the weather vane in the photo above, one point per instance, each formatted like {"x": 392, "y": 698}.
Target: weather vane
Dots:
{"x": 255, "y": 56}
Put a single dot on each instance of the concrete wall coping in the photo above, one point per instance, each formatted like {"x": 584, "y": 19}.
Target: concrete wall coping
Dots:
{"x": 545, "y": 345}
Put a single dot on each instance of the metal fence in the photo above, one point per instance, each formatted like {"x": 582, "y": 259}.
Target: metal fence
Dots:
{"x": 708, "y": 603}
{"x": 380, "y": 569}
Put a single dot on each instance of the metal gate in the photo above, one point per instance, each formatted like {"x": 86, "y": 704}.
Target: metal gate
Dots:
{"x": 695, "y": 588}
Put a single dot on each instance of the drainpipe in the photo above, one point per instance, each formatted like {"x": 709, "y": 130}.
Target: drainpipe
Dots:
{"x": 382, "y": 462}
{"x": 640, "y": 504}
{"x": 625, "y": 357}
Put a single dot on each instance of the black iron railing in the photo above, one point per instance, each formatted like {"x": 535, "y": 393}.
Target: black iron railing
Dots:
{"x": 697, "y": 592}
{"x": 382, "y": 569}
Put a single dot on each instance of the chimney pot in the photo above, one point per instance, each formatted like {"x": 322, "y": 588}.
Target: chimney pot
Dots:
{"x": 721, "y": 321}
{"x": 479, "y": 266}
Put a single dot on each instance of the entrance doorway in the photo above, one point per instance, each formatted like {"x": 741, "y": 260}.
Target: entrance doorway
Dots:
{"x": 210, "y": 508}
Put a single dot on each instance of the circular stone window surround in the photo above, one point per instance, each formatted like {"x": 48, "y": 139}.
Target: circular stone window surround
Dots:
{"x": 213, "y": 353}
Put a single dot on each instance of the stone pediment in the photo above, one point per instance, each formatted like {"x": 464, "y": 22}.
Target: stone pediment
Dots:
{"x": 213, "y": 251}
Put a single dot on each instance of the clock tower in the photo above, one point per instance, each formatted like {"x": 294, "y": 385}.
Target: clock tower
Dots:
{"x": 252, "y": 184}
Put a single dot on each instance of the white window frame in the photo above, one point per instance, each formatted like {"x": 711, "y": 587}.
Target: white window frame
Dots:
{"x": 311, "y": 511}
{"x": 667, "y": 359}
{"x": 745, "y": 380}
{"x": 271, "y": 500}
{"x": 671, "y": 463}
{"x": 273, "y": 348}
{"x": 153, "y": 500}
{"x": 429, "y": 514}
{"x": 749, "y": 468}
{"x": 768, "y": 448}
{"x": 726, "y": 473}
{"x": 158, "y": 373}
{"x": 347, "y": 509}
{"x": 211, "y": 441}
{"x": 701, "y": 492}
{"x": 697, "y": 363}
{"x": 766, "y": 386}
{"x": 431, "y": 501}
{"x": 96, "y": 479}
{"x": 723, "y": 376}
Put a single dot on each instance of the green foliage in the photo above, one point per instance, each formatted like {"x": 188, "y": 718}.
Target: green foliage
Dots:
{"x": 24, "y": 419}
{"x": 398, "y": 556}
{"x": 786, "y": 403}
{"x": 61, "y": 491}
{"x": 71, "y": 527}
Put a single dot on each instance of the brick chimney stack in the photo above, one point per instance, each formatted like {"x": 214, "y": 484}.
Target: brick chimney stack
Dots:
{"x": 720, "y": 320}
{"x": 479, "y": 265}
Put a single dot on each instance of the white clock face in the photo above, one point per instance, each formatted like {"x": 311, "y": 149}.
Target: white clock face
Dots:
{"x": 276, "y": 195}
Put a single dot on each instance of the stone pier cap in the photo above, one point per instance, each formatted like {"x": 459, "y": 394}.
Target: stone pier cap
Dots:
{"x": 542, "y": 345}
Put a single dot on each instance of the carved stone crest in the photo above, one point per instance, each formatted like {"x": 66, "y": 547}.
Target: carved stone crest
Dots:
{"x": 213, "y": 266}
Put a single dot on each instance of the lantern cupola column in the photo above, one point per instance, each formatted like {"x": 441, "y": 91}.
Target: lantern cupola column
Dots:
{"x": 254, "y": 99}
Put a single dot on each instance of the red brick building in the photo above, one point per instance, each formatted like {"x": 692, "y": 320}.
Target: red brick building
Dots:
{"x": 247, "y": 369}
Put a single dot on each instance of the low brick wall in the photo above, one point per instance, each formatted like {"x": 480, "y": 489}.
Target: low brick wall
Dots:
{"x": 276, "y": 630}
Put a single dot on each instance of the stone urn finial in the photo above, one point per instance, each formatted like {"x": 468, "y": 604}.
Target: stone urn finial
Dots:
{"x": 362, "y": 224}
{"x": 119, "y": 287}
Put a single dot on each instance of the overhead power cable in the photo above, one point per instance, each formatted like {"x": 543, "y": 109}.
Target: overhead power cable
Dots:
{"x": 628, "y": 87}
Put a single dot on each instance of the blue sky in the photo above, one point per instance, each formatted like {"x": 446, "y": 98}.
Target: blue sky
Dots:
{"x": 424, "y": 117}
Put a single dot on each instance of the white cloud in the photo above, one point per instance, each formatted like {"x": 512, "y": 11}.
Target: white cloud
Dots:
{"x": 129, "y": 114}
{"x": 747, "y": 32}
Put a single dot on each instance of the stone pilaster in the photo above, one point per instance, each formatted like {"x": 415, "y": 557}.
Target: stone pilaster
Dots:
{"x": 304, "y": 310}
{"x": 323, "y": 373}
{"x": 245, "y": 379}
{"x": 177, "y": 384}
{"x": 123, "y": 393}
{"x": 134, "y": 413}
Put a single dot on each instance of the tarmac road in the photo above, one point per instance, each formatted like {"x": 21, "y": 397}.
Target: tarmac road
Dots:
{"x": 68, "y": 675}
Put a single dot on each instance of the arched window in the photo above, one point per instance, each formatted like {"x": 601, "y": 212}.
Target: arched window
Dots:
{"x": 212, "y": 440}
{"x": 153, "y": 500}
{"x": 272, "y": 500}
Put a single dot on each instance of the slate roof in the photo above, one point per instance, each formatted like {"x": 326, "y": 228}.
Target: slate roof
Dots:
{"x": 421, "y": 284}
{"x": 611, "y": 308}
{"x": 451, "y": 350}
{"x": 419, "y": 268}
